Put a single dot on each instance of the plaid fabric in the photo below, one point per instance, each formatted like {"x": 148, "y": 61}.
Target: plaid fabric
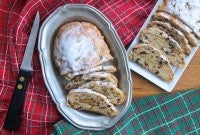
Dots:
{"x": 168, "y": 114}
{"x": 39, "y": 113}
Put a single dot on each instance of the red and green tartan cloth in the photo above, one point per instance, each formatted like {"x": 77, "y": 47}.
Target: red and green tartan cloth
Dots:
{"x": 164, "y": 114}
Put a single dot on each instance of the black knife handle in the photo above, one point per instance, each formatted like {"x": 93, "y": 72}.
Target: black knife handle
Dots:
{"x": 12, "y": 120}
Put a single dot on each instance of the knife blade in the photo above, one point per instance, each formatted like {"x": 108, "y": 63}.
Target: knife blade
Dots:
{"x": 12, "y": 120}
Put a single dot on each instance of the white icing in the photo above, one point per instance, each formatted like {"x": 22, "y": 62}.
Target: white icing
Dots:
{"x": 95, "y": 93}
{"x": 187, "y": 10}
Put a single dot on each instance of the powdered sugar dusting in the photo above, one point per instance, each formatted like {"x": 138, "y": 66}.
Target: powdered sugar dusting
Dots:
{"x": 187, "y": 10}
{"x": 76, "y": 52}
{"x": 77, "y": 49}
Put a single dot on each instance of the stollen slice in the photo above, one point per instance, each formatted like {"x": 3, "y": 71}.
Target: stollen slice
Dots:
{"x": 166, "y": 44}
{"x": 174, "y": 33}
{"x": 86, "y": 99}
{"x": 114, "y": 94}
{"x": 95, "y": 76}
{"x": 153, "y": 60}
{"x": 105, "y": 68}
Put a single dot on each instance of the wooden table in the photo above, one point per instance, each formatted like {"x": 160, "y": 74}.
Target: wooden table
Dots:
{"x": 189, "y": 80}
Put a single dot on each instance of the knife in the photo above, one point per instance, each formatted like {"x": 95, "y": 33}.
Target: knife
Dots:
{"x": 12, "y": 120}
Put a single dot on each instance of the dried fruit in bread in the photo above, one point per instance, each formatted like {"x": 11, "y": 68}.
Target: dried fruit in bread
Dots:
{"x": 174, "y": 33}
{"x": 166, "y": 44}
{"x": 153, "y": 60}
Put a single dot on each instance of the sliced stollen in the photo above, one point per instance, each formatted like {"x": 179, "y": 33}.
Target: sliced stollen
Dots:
{"x": 188, "y": 32}
{"x": 174, "y": 33}
{"x": 107, "y": 68}
{"x": 95, "y": 76}
{"x": 166, "y": 44}
{"x": 110, "y": 90}
{"x": 153, "y": 60}
{"x": 185, "y": 10}
{"x": 86, "y": 99}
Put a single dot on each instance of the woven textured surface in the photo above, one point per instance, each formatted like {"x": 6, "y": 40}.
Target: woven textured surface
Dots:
{"x": 39, "y": 113}
{"x": 164, "y": 114}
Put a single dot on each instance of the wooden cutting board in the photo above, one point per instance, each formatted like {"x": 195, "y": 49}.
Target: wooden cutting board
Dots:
{"x": 189, "y": 80}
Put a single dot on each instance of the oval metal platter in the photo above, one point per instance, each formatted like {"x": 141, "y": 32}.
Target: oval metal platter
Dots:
{"x": 55, "y": 82}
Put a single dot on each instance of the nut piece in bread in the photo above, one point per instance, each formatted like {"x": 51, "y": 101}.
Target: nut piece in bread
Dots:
{"x": 153, "y": 60}
{"x": 86, "y": 99}
{"x": 110, "y": 90}
{"x": 166, "y": 44}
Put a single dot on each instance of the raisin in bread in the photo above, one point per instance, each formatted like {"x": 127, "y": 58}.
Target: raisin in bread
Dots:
{"x": 185, "y": 10}
{"x": 153, "y": 60}
{"x": 76, "y": 50}
{"x": 95, "y": 76}
{"x": 110, "y": 90}
{"x": 174, "y": 33}
{"x": 86, "y": 99}
{"x": 188, "y": 32}
{"x": 166, "y": 44}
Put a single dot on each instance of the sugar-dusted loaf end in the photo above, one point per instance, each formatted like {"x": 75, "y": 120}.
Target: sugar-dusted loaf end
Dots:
{"x": 78, "y": 46}
{"x": 185, "y": 10}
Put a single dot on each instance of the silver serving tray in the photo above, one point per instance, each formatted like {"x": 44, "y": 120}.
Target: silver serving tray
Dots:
{"x": 55, "y": 82}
